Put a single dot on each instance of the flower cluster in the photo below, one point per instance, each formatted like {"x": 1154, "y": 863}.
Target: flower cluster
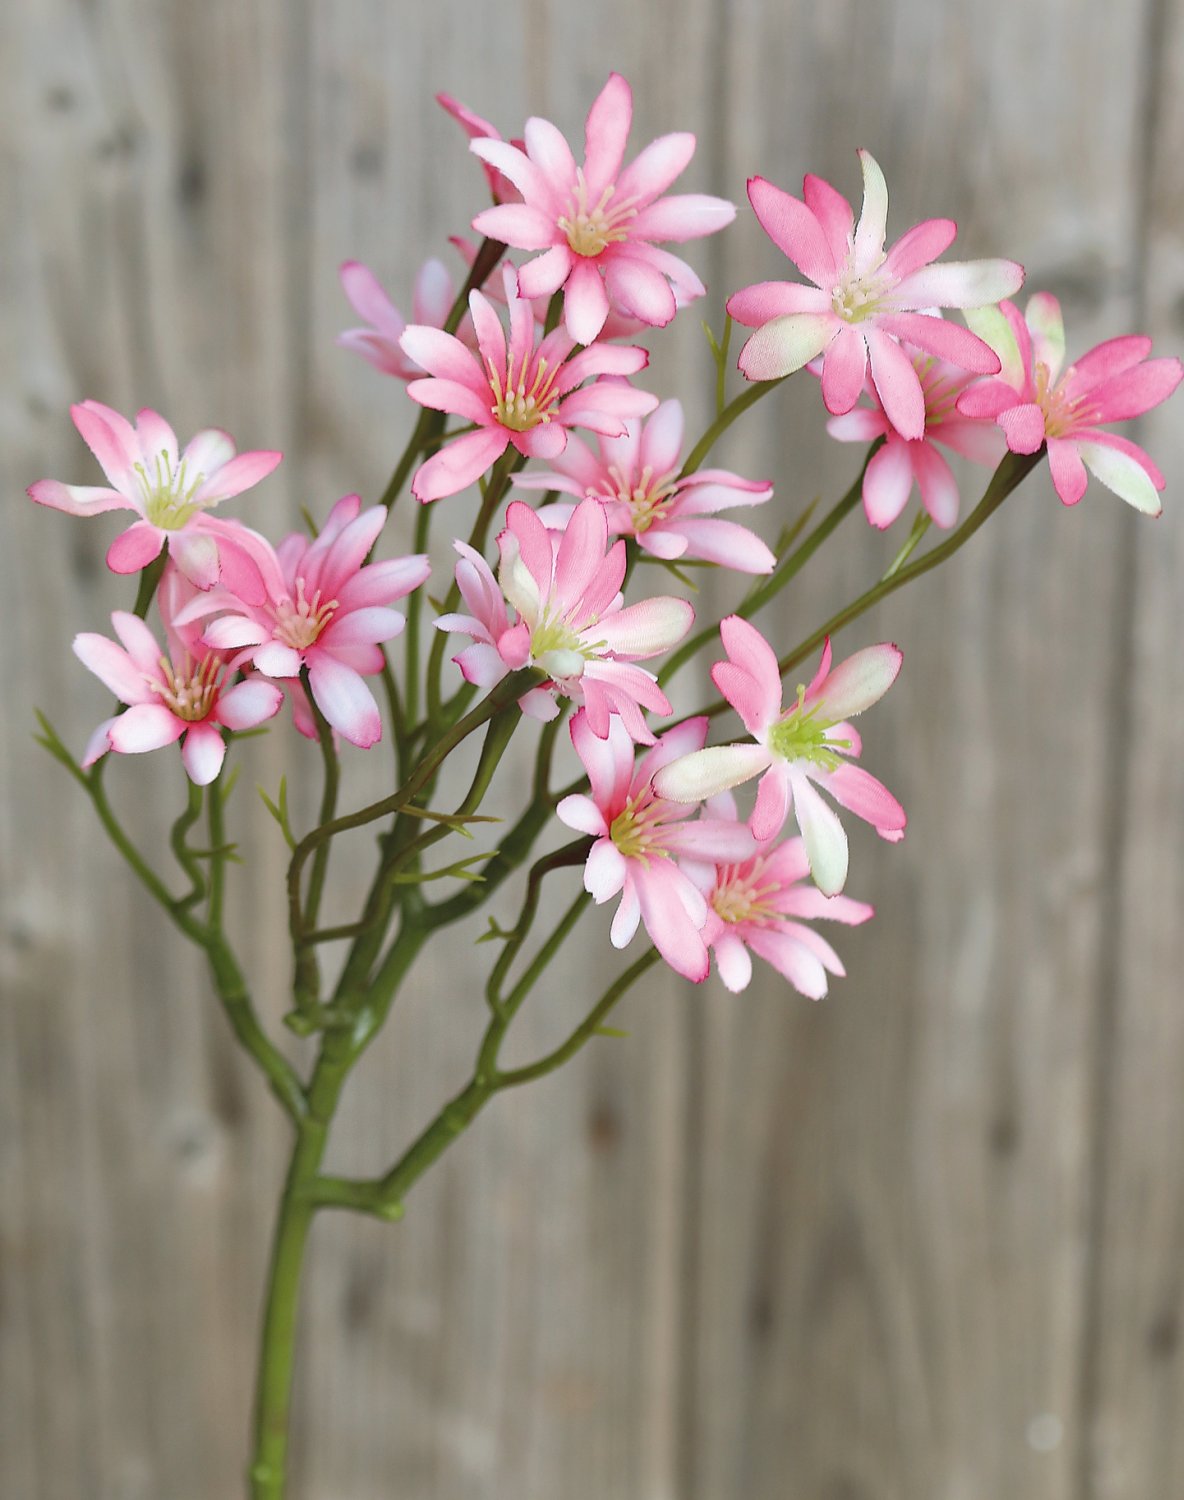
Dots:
{"x": 510, "y": 368}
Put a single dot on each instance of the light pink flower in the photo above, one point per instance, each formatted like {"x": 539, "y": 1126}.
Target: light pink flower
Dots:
{"x": 515, "y": 393}
{"x": 639, "y": 837}
{"x": 809, "y": 746}
{"x": 598, "y": 224}
{"x": 569, "y": 619}
{"x": 863, "y": 300}
{"x": 501, "y": 189}
{"x": 326, "y": 610}
{"x": 1114, "y": 382}
{"x": 636, "y": 477}
{"x": 170, "y": 697}
{"x": 758, "y": 904}
{"x": 902, "y": 462}
{"x": 169, "y": 490}
{"x": 378, "y": 345}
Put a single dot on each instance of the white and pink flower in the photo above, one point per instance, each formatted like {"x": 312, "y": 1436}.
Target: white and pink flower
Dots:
{"x": 515, "y": 393}
{"x": 170, "y": 490}
{"x": 598, "y": 224}
{"x": 761, "y": 905}
{"x": 901, "y": 462}
{"x": 326, "y": 610}
{"x": 1035, "y": 404}
{"x": 863, "y": 301}
{"x": 640, "y": 837}
{"x": 809, "y": 747}
{"x": 568, "y": 618}
{"x": 174, "y": 694}
{"x": 636, "y": 476}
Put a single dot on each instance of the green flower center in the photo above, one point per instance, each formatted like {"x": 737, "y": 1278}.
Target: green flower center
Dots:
{"x": 800, "y": 734}
{"x": 168, "y": 493}
{"x": 637, "y": 831}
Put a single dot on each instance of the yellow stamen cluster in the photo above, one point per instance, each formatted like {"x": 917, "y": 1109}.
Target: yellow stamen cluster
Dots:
{"x": 801, "y": 735}
{"x": 744, "y": 897}
{"x": 189, "y": 691}
{"x": 648, "y": 499}
{"x": 169, "y": 494}
{"x": 858, "y": 298}
{"x": 299, "y": 622}
{"x": 590, "y": 228}
{"x": 519, "y": 405}
{"x": 637, "y": 831}
{"x": 1062, "y": 414}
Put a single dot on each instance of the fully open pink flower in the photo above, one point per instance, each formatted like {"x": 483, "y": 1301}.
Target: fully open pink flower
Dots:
{"x": 902, "y": 462}
{"x": 636, "y": 477}
{"x": 598, "y": 224}
{"x": 169, "y": 490}
{"x": 639, "y": 837}
{"x": 864, "y": 300}
{"x": 515, "y": 393}
{"x": 759, "y": 904}
{"x": 185, "y": 694}
{"x": 811, "y": 745}
{"x": 569, "y": 619}
{"x": 326, "y": 610}
{"x": 1112, "y": 383}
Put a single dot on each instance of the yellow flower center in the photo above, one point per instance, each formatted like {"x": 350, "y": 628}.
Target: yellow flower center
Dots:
{"x": 648, "y": 499}
{"x": 801, "y": 735}
{"x": 168, "y": 493}
{"x": 742, "y": 893}
{"x": 637, "y": 831}
{"x": 299, "y": 622}
{"x": 190, "y": 690}
{"x": 520, "y": 406}
{"x": 590, "y": 227}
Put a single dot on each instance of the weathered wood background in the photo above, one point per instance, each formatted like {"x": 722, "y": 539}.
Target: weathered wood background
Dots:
{"x": 923, "y": 1241}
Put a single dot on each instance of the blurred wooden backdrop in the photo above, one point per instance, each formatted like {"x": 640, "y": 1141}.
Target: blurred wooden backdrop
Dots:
{"x": 923, "y": 1241}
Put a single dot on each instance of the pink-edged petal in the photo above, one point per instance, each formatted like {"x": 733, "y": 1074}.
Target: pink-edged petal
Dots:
{"x": 196, "y": 556}
{"x": 545, "y": 274}
{"x": 1104, "y": 360}
{"x": 368, "y": 298}
{"x": 608, "y": 762}
{"x": 995, "y": 326}
{"x": 249, "y": 704}
{"x": 1133, "y": 392}
{"x": 981, "y": 442}
{"x": 664, "y": 894}
{"x": 897, "y": 384}
{"x": 732, "y": 962}
{"x": 860, "y": 793}
{"x": 723, "y": 542}
{"x": 346, "y": 701}
{"x": 238, "y": 475}
{"x": 791, "y": 959}
{"x": 580, "y": 556}
{"x": 518, "y": 224}
{"x": 652, "y": 171}
{"x": 145, "y": 726}
{"x": 585, "y": 302}
{"x": 710, "y": 490}
{"x": 97, "y": 745}
{"x": 868, "y": 240}
{"x": 459, "y": 463}
{"x": 582, "y": 814}
{"x": 682, "y": 217}
{"x": 771, "y": 808}
{"x": 138, "y": 641}
{"x": 935, "y": 480}
{"x": 759, "y": 304}
{"x": 921, "y": 244}
{"x": 786, "y": 344}
{"x": 862, "y": 425}
{"x": 113, "y": 441}
{"x": 1023, "y": 427}
{"x": 793, "y": 229}
{"x": 639, "y": 291}
{"x": 605, "y": 871}
{"x": 720, "y": 840}
{"x": 362, "y": 627}
{"x": 833, "y": 213}
{"x": 156, "y": 436}
{"x": 1043, "y": 317}
{"x": 77, "y": 499}
{"x": 1121, "y": 473}
{"x": 859, "y": 681}
{"x": 453, "y": 396}
{"x": 1124, "y": 445}
{"x": 233, "y": 632}
{"x": 207, "y": 451}
{"x": 135, "y": 548}
{"x": 113, "y": 667}
{"x": 967, "y": 283}
{"x": 705, "y": 773}
{"x": 546, "y": 441}
{"x": 384, "y": 582}
{"x": 662, "y": 437}
{"x": 888, "y": 481}
{"x": 948, "y": 341}
{"x": 202, "y": 753}
{"x": 515, "y": 165}
{"x": 606, "y": 131}
{"x": 986, "y": 400}
{"x": 826, "y": 843}
{"x": 645, "y": 629}
{"x": 626, "y": 918}
{"x": 442, "y": 355}
{"x": 843, "y": 369}
{"x": 278, "y": 660}
{"x": 748, "y": 650}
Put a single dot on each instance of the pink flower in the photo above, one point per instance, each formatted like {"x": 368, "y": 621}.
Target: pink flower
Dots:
{"x": 809, "y": 746}
{"x": 477, "y": 128}
{"x": 170, "y": 491}
{"x": 902, "y": 462}
{"x": 636, "y": 477}
{"x": 758, "y": 903}
{"x": 1112, "y": 383}
{"x": 598, "y": 223}
{"x": 432, "y": 301}
{"x": 170, "y": 697}
{"x": 569, "y": 619}
{"x": 326, "y": 610}
{"x": 518, "y": 394}
{"x": 639, "y": 836}
{"x": 863, "y": 301}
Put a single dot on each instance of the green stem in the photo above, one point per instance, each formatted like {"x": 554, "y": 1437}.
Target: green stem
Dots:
{"x": 149, "y": 579}
{"x": 735, "y": 408}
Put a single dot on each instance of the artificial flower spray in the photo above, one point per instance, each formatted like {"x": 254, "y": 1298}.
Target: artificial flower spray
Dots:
{"x": 716, "y": 836}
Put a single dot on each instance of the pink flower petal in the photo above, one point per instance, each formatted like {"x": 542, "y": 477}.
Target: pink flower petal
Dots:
{"x": 202, "y": 753}
{"x": 647, "y": 628}
{"x": 606, "y": 132}
{"x": 517, "y": 224}
{"x": 682, "y": 217}
{"x": 786, "y": 344}
{"x": 869, "y": 235}
{"x": 135, "y": 548}
{"x": 77, "y": 499}
{"x": 758, "y": 304}
{"x": 897, "y": 385}
{"x": 605, "y": 871}
{"x": 968, "y": 283}
{"x": 237, "y": 475}
{"x": 345, "y": 700}
{"x": 545, "y": 274}
{"x": 706, "y": 773}
{"x": 113, "y": 667}
{"x": 732, "y": 962}
{"x": 791, "y": 959}
{"x": 1121, "y": 473}
{"x": 888, "y": 481}
{"x": 748, "y": 650}
{"x": 860, "y": 793}
{"x": 833, "y": 213}
{"x": 858, "y": 682}
{"x": 946, "y": 340}
{"x": 112, "y": 440}
{"x": 145, "y": 726}
{"x": 196, "y": 556}
{"x": 723, "y": 542}
{"x": 585, "y": 302}
{"x": 249, "y": 703}
{"x": 935, "y": 479}
{"x": 793, "y": 229}
{"x": 1023, "y": 426}
{"x": 843, "y": 369}
{"x": 459, "y": 463}
{"x": 652, "y": 171}
{"x": 664, "y": 894}
{"x": 921, "y": 244}
{"x": 627, "y": 917}
{"x": 157, "y": 438}
{"x": 582, "y": 814}
{"x": 639, "y": 291}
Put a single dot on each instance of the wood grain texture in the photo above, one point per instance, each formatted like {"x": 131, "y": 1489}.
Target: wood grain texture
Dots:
{"x": 920, "y": 1241}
